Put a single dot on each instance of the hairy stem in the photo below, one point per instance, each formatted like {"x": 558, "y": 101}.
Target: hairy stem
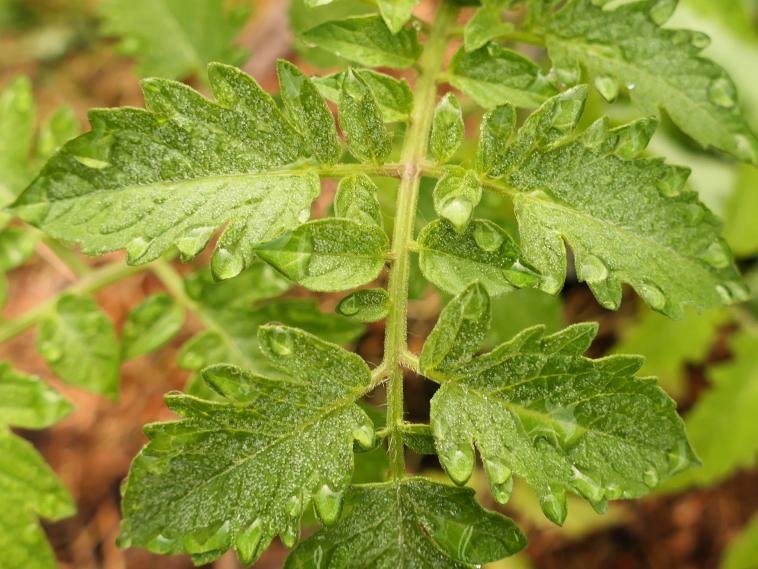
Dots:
{"x": 412, "y": 156}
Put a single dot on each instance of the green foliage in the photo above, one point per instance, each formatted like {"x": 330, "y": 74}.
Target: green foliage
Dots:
{"x": 174, "y": 38}
{"x": 728, "y": 407}
{"x": 299, "y": 451}
{"x": 626, "y": 219}
{"x": 28, "y": 487}
{"x": 366, "y": 40}
{"x": 274, "y": 416}
{"x": 410, "y": 524}
{"x": 742, "y": 552}
{"x": 536, "y": 408}
{"x": 659, "y": 67}
{"x": 78, "y": 341}
{"x": 150, "y": 325}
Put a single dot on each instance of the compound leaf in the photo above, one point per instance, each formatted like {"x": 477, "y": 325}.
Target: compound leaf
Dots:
{"x": 536, "y": 408}
{"x": 410, "y": 524}
{"x": 328, "y": 254}
{"x": 78, "y": 341}
{"x": 662, "y": 68}
{"x": 493, "y": 75}
{"x": 626, "y": 220}
{"x": 150, "y": 325}
{"x": 28, "y": 487}
{"x": 366, "y": 40}
{"x": 174, "y": 38}
{"x": 170, "y": 176}
{"x": 235, "y": 473}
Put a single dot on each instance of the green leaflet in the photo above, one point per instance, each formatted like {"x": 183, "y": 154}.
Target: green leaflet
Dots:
{"x": 740, "y": 229}
{"x": 16, "y": 135}
{"x": 366, "y": 40}
{"x": 357, "y": 199}
{"x": 410, "y": 524}
{"x": 238, "y": 472}
{"x": 170, "y": 176}
{"x": 456, "y": 194}
{"x": 536, "y": 408}
{"x": 367, "y": 305}
{"x": 668, "y": 345}
{"x": 660, "y": 67}
{"x": 27, "y": 402}
{"x": 626, "y": 220}
{"x": 150, "y": 325}
{"x": 728, "y": 407}
{"x": 28, "y": 487}
{"x": 484, "y": 252}
{"x": 175, "y": 38}
{"x": 743, "y": 550}
{"x": 16, "y": 246}
{"x": 396, "y": 12}
{"x": 494, "y": 75}
{"x": 393, "y": 96}
{"x": 497, "y": 126}
{"x": 258, "y": 282}
{"x": 485, "y": 25}
{"x": 78, "y": 341}
{"x": 309, "y": 112}
{"x": 20, "y": 153}
{"x": 328, "y": 254}
{"x": 447, "y": 129}
{"x": 361, "y": 121}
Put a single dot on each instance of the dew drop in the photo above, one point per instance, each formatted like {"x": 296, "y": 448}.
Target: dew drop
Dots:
{"x": 280, "y": 342}
{"x": 487, "y": 236}
{"x": 291, "y": 534}
{"x": 554, "y": 507}
{"x": 160, "y": 544}
{"x": 502, "y": 492}
{"x": 601, "y": 506}
{"x": 521, "y": 279}
{"x": 249, "y": 541}
{"x": 349, "y": 306}
{"x": 662, "y": 11}
{"x": 722, "y": 92}
{"x": 458, "y": 211}
{"x": 567, "y": 112}
{"x": 365, "y": 436}
{"x": 498, "y": 472}
{"x": 459, "y": 465}
{"x": 194, "y": 241}
{"x": 136, "y": 248}
{"x": 613, "y": 491}
{"x": 608, "y": 87}
{"x": 650, "y": 477}
{"x": 716, "y": 255}
{"x": 591, "y": 269}
{"x": 212, "y": 538}
{"x": 328, "y": 504}
{"x": 304, "y": 215}
{"x": 651, "y": 294}
{"x": 225, "y": 264}
{"x": 587, "y": 486}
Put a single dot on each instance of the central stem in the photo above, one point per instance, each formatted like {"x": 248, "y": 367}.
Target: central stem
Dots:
{"x": 412, "y": 156}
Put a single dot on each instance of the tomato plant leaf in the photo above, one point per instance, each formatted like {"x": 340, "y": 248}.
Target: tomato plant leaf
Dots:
{"x": 227, "y": 475}
{"x": 536, "y": 408}
{"x": 150, "y": 325}
{"x": 407, "y": 524}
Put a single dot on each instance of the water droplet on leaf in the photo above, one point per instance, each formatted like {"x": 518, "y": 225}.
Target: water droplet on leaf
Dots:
{"x": 651, "y": 294}
{"x": 225, "y": 264}
{"x": 249, "y": 543}
{"x": 722, "y": 92}
{"x": 650, "y": 477}
{"x": 136, "y": 248}
{"x": 215, "y": 537}
{"x": 587, "y": 486}
{"x": 458, "y": 211}
{"x": 459, "y": 464}
{"x": 662, "y": 11}
{"x": 716, "y": 255}
{"x": 328, "y": 504}
{"x": 608, "y": 87}
{"x": 554, "y": 507}
{"x": 365, "y": 436}
{"x": 591, "y": 269}
{"x": 488, "y": 236}
{"x": 280, "y": 342}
